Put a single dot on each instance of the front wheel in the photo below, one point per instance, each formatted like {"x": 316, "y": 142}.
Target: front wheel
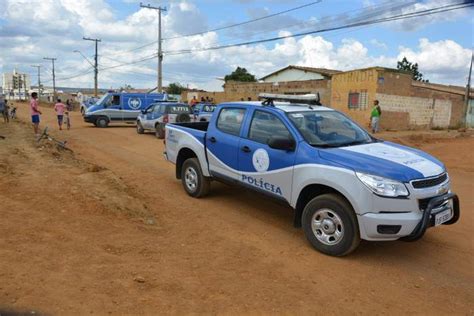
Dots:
{"x": 194, "y": 182}
{"x": 140, "y": 129}
{"x": 160, "y": 131}
{"x": 102, "y": 122}
{"x": 330, "y": 225}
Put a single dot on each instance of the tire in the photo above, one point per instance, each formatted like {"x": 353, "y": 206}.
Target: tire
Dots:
{"x": 160, "y": 131}
{"x": 183, "y": 118}
{"x": 140, "y": 129}
{"x": 102, "y": 122}
{"x": 194, "y": 182}
{"x": 330, "y": 225}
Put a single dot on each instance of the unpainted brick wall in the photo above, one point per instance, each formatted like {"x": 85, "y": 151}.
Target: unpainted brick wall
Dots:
{"x": 423, "y": 112}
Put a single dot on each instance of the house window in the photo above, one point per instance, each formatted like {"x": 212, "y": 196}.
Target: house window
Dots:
{"x": 358, "y": 100}
{"x": 353, "y": 100}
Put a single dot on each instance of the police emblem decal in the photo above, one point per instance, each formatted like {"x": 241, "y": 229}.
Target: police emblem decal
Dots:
{"x": 260, "y": 160}
{"x": 134, "y": 103}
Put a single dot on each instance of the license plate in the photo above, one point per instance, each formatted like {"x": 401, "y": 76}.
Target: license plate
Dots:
{"x": 443, "y": 217}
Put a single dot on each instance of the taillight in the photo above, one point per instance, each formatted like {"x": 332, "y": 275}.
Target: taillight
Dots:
{"x": 165, "y": 118}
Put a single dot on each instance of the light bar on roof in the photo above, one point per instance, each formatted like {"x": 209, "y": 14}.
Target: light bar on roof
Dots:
{"x": 304, "y": 98}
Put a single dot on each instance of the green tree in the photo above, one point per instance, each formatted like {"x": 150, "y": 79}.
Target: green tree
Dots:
{"x": 411, "y": 67}
{"x": 175, "y": 88}
{"x": 240, "y": 74}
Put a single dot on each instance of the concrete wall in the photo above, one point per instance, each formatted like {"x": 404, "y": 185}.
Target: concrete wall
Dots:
{"x": 293, "y": 75}
{"x": 234, "y": 91}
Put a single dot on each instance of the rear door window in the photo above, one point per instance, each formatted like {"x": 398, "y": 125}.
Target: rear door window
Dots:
{"x": 230, "y": 120}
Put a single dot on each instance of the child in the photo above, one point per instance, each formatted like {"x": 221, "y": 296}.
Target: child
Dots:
{"x": 35, "y": 113}
{"x": 67, "y": 120}
{"x": 59, "y": 108}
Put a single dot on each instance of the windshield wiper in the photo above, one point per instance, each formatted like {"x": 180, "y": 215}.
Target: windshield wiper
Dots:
{"x": 356, "y": 142}
{"x": 335, "y": 145}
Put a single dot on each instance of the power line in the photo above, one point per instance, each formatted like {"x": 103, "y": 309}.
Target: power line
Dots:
{"x": 222, "y": 28}
{"x": 350, "y": 25}
{"x": 245, "y": 22}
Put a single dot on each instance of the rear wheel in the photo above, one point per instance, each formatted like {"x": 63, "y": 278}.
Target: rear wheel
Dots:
{"x": 183, "y": 118}
{"x": 102, "y": 122}
{"x": 140, "y": 129}
{"x": 194, "y": 182}
{"x": 160, "y": 131}
{"x": 330, "y": 225}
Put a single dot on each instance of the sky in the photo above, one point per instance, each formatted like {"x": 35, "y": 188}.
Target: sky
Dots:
{"x": 441, "y": 44}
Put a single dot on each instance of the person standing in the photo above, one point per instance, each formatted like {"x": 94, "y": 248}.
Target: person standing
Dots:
{"x": 375, "y": 117}
{"x": 59, "y": 107}
{"x": 68, "y": 105}
{"x": 193, "y": 102}
{"x": 3, "y": 109}
{"x": 35, "y": 112}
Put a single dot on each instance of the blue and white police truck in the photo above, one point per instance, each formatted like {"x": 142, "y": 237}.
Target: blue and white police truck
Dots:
{"x": 343, "y": 184}
{"x": 157, "y": 115}
{"x": 120, "y": 107}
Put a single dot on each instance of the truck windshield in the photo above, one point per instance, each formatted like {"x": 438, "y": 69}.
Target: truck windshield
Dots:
{"x": 101, "y": 100}
{"x": 328, "y": 129}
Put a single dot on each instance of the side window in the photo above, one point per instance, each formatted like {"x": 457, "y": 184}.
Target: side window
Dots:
{"x": 265, "y": 125}
{"x": 116, "y": 100}
{"x": 156, "y": 109}
{"x": 230, "y": 120}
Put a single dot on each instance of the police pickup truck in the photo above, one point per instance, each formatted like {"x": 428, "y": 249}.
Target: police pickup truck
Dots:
{"x": 343, "y": 184}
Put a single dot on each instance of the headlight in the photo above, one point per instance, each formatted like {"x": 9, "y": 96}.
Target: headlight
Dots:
{"x": 383, "y": 186}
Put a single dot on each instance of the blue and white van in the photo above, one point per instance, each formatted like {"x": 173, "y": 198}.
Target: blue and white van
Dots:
{"x": 120, "y": 107}
{"x": 343, "y": 184}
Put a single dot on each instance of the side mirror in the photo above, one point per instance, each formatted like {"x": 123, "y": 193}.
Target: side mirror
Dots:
{"x": 143, "y": 111}
{"x": 282, "y": 143}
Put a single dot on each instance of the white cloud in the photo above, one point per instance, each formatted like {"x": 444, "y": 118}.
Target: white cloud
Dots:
{"x": 378, "y": 44}
{"x": 443, "y": 60}
{"x": 23, "y": 44}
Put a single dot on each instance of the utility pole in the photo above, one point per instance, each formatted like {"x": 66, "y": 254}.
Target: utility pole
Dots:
{"x": 19, "y": 86}
{"x": 39, "y": 78}
{"x": 159, "y": 86}
{"x": 468, "y": 93}
{"x": 96, "y": 69}
{"x": 54, "y": 77}
{"x": 24, "y": 85}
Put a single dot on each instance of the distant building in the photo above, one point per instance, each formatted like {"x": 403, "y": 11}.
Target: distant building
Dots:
{"x": 299, "y": 73}
{"x": 16, "y": 85}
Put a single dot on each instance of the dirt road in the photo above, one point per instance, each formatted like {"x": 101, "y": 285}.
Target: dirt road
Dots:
{"x": 109, "y": 229}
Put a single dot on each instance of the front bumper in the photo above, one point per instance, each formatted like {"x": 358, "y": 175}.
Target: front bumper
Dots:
{"x": 408, "y": 225}
{"x": 90, "y": 118}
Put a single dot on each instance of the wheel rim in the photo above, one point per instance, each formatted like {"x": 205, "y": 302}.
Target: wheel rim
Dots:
{"x": 191, "y": 179}
{"x": 327, "y": 226}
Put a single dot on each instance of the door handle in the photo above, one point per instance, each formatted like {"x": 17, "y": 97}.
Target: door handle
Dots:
{"x": 212, "y": 139}
{"x": 246, "y": 149}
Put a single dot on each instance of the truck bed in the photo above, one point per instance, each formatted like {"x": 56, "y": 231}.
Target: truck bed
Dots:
{"x": 201, "y": 126}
